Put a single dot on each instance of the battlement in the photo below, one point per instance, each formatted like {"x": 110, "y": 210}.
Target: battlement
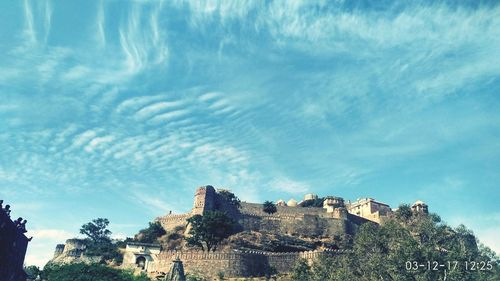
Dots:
{"x": 170, "y": 222}
{"x": 235, "y": 263}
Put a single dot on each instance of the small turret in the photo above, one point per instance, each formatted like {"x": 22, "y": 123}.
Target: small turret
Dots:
{"x": 420, "y": 207}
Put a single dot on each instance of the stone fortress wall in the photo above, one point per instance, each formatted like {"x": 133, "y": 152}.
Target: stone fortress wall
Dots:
{"x": 310, "y": 221}
{"x": 334, "y": 218}
{"x": 235, "y": 263}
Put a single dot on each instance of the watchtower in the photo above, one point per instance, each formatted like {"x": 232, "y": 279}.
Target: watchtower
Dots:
{"x": 204, "y": 200}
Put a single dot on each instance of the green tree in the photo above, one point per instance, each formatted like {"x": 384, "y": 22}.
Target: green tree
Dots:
{"x": 151, "y": 234}
{"x": 382, "y": 252}
{"x": 302, "y": 271}
{"x": 404, "y": 213}
{"x": 97, "y": 230}
{"x": 99, "y": 242}
{"x": 88, "y": 272}
{"x": 32, "y": 271}
{"x": 230, "y": 198}
{"x": 269, "y": 207}
{"x": 209, "y": 230}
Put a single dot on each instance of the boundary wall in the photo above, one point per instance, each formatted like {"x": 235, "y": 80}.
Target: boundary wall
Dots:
{"x": 235, "y": 263}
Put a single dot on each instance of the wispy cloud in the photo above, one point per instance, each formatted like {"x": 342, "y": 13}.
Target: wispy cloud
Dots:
{"x": 289, "y": 186}
{"x": 41, "y": 248}
{"x": 263, "y": 98}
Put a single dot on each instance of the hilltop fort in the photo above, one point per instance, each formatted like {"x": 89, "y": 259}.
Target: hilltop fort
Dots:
{"x": 313, "y": 220}
{"x": 307, "y": 229}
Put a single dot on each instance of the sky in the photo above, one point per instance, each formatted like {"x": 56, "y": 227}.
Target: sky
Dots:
{"x": 121, "y": 109}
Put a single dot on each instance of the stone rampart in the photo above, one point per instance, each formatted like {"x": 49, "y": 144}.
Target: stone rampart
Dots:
{"x": 306, "y": 225}
{"x": 235, "y": 263}
{"x": 254, "y": 208}
{"x": 170, "y": 222}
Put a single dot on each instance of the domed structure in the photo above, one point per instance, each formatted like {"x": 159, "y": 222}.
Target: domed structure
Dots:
{"x": 292, "y": 203}
{"x": 420, "y": 207}
{"x": 280, "y": 203}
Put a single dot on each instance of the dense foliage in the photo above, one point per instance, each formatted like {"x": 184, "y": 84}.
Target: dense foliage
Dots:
{"x": 32, "y": 272}
{"x": 97, "y": 230}
{"x": 394, "y": 250}
{"x": 151, "y": 233}
{"x": 98, "y": 240}
{"x": 209, "y": 230}
{"x": 318, "y": 203}
{"x": 88, "y": 272}
{"x": 230, "y": 198}
{"x": 269, "y": 207}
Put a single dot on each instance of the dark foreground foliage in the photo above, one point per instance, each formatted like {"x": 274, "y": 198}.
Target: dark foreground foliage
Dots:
{"x": 88, "y": 272}
{"x": 391, "y": 251}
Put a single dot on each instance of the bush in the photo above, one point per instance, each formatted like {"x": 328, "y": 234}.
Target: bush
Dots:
{"x": 88, "y": 272}
{"x": 151, "y": 233}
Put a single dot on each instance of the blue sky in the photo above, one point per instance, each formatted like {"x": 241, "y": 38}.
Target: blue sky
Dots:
{"x": 120, "y": 109}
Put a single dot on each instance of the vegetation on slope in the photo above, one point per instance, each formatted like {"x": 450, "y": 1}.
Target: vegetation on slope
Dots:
{"x": 88, "y": 272}
{"x": 99, "y": 242}
{"x": 151, "y": 234}
{"x": 394, "y": 250}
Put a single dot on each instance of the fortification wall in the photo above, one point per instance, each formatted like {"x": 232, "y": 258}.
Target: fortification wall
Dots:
{"x": 170, "y": 222}
{"x": 254, "y": 208}
{"x": 293, "y": 224}
{"x": 234, "y": 263}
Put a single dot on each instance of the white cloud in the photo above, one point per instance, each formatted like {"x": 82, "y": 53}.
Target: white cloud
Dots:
{"x": 98, "y": 142}
{"x": 155, "y": 108}
{"x": 50, "y": 234}
{"x": 84, "y": 138}
{"x": 209, "y": 96}
{"x": 152, "y": 202}
{"x": 41, "y": 248}
{"x": 287, "y": 185}
{"x": 170, "y": 115}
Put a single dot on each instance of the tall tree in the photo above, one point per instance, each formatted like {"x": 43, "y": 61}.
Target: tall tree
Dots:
{"x": 97, "y": 230}
{"x": 209, "y": 230}
{"x": 99, "y": 241}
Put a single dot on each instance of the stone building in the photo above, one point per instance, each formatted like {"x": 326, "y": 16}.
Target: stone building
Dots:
{"x": 369, "y": 209}
{"x": 13, "y": 246}
{"x": 420, "y": 207}
{"x": 140, "y": 255}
